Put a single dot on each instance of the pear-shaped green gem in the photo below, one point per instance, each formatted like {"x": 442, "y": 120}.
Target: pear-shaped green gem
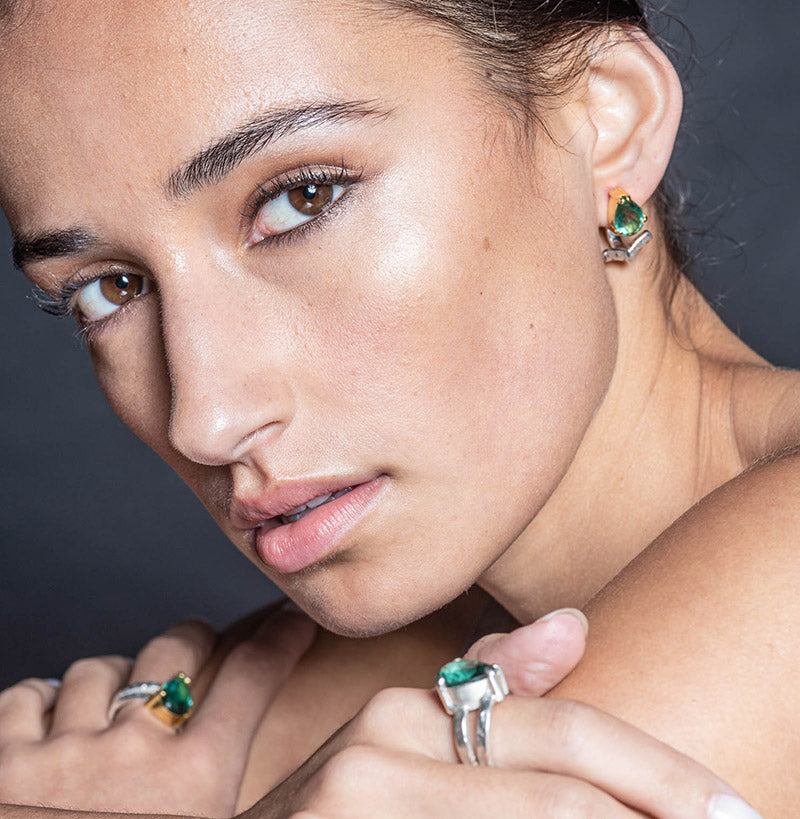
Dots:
{"x": 628, "y": 218}
{"x": 176, "y": 695}
{"x": 458, "y": 672}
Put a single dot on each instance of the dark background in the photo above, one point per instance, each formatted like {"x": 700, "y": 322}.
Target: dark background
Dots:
{"x": 102, "y": 545}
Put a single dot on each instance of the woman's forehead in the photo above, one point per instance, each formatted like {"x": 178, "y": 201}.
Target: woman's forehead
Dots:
{"x": 146, "y": 51}
{"x": 131, "y": 81}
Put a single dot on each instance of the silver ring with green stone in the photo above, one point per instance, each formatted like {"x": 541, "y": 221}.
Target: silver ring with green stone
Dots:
{"x": 465, "y": 686}
{"x": 171, "y": 702}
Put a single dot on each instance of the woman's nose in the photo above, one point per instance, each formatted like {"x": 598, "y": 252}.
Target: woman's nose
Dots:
{"x": 229, "y": 394}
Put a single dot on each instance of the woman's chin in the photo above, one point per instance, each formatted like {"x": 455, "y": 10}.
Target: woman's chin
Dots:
{"x": 363, "y": 609}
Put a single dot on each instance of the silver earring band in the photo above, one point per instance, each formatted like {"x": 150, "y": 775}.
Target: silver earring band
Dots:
{"x": 619, "y": 252}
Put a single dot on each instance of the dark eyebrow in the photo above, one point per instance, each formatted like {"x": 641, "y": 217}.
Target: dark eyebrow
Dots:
{"x": 214, "y": 162}
{"x": 35, "y": 247}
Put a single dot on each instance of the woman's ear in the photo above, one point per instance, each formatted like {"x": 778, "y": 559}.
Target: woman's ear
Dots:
{"x": 634, "y": 100}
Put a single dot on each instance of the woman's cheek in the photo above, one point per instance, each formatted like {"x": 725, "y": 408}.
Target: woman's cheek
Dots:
{"x": 130, "y": 366}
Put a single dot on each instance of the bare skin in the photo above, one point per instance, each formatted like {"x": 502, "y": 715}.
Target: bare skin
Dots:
{"x": 430, "y": 337}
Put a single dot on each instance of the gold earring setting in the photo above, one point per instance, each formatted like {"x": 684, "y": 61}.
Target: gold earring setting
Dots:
{"x": 626, "y": 220}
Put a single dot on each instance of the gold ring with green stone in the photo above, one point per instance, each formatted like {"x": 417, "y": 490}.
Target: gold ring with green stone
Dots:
{"x": 465, "y": 686}
{"x": 171, "y": 702}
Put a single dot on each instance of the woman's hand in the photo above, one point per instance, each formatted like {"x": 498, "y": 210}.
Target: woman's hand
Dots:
{"x": 58, "y": 748}
{"x": 554, "y": 758}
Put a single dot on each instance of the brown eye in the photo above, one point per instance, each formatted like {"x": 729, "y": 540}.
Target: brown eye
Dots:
{"x": 104, "y": 296}
{"x": 311, "y": 199}
{"x": 293, "y": 208}
{"x": 122, "y": 288}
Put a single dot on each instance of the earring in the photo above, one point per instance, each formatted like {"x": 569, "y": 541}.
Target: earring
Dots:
{"x": 625, "y": 220}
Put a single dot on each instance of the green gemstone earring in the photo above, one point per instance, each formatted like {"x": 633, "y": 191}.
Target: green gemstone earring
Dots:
{"x": 626, "y": 220}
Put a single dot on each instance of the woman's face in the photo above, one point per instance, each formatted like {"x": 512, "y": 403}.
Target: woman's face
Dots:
{"x": 312, "y": 252}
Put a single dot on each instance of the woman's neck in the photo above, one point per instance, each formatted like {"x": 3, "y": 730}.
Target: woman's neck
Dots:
{"x": 688, "y": 408}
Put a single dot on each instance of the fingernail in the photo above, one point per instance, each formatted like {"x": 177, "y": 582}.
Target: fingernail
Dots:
{"x": 725, "y": 806}
{"x": 576, "y": 613}
{"x": 53, "y": 681}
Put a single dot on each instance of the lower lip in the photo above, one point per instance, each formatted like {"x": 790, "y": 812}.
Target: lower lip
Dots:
{"x": 291, "y": 547}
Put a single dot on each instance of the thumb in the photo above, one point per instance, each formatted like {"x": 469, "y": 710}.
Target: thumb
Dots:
{"x": 536, "y": 657}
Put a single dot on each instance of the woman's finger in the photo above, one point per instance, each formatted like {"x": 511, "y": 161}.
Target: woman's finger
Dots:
{"x": 364, "y": 781}
{"x": 536, "y": 657}
{"x": 183, "y": 647}
{"x": 248, "y": 681}
{"x": 86, "y": 691}
{"x": 576, "y": 740}
{"x": 24, "y": 710}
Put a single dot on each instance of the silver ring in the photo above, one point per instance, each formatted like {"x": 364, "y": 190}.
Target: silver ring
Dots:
{"x": 139, "y": 691}
{"x": 465, "y": 686}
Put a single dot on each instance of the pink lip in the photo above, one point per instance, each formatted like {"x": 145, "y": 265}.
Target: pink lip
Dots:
{"x": 291, "y": 547}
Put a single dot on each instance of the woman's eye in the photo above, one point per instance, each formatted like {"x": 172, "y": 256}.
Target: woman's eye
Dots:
{"x": 293, "y": 208}
{"x": 107, "y": 294}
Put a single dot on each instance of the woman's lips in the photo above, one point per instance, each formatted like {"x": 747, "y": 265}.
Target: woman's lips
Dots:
{"x": 291, "y": 547}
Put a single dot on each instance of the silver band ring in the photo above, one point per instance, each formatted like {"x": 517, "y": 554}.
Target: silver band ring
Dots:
{"x": 139, "y": 691}
{"x": 465, "y": 686}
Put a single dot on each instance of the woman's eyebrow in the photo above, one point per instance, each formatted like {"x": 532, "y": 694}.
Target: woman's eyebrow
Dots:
{"x": 37, "y": 247}
{"x": 210, "y": 165}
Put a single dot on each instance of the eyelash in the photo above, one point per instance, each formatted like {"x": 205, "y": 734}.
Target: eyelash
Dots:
{"x": 59, "y": 304}
{"x": 59, "y": 301}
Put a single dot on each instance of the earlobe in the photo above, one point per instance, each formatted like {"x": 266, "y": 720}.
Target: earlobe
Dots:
{"x": 635, "y": 103}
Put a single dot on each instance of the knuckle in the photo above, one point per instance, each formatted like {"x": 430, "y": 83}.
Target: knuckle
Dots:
{"x": 25, "y": 693}
{"x": 254, "y": 652}
{"x": 383, "y": 713}
{"x": 561, "y": 798}
{"x": 195, "y": 631}
{"x": 86, "y": 668}
{"x": 344, "y": 772}
{"x": 567, "y": 724}
{"x": 675, "y": 777}
{"x": 170, "y": 645}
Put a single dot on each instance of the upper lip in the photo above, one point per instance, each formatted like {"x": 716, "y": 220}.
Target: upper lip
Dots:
{"x": 248, "y": 512}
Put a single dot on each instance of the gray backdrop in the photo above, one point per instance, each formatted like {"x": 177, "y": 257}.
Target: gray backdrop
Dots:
{"x": 102, "y": 545}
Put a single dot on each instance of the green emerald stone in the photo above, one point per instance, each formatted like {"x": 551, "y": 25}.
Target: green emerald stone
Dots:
{"x": 176, "y": 696}
{"x": 458, "y": 672}
{"x": 629, "y": 218}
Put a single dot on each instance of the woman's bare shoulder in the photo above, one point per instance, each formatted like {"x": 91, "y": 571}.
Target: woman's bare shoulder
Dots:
{"x": 698, "y": 640}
